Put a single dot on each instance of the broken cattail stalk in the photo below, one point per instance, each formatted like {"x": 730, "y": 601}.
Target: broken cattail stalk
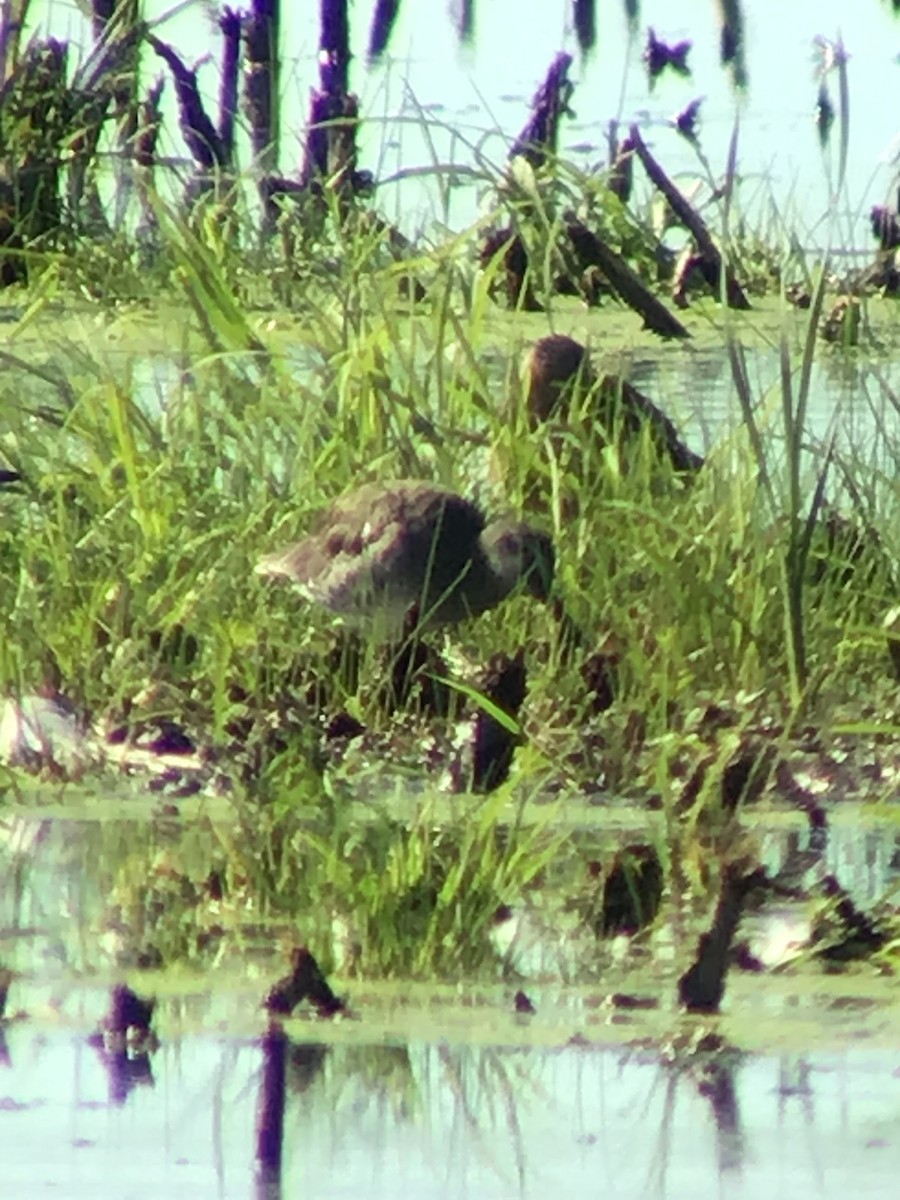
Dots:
{"x": 261, "y": 75}
{"x": 230, "y": 27}
{"x": 711, "y": 259}
{"x": 541, "y": 133}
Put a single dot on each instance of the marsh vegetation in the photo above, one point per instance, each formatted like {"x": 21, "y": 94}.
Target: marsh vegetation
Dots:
{"x": 187, "y": 392}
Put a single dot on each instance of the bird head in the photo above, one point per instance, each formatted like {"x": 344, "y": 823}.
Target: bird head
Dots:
{"x": 521, "y": 556}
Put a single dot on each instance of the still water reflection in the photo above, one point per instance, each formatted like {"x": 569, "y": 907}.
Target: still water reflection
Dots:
{"x": 440, "y": 1119}
{"x": 433, "y": 1092}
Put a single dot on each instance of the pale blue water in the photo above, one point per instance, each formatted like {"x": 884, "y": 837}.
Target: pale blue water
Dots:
{"x": 432, "y": 99}
{"x": 445, "y": 1122}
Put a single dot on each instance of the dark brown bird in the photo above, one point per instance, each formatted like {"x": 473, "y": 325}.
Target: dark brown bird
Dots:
{"x": 558, "y": 368}
{"x": 383, "y": 549}
{"x": 556, "y": 365}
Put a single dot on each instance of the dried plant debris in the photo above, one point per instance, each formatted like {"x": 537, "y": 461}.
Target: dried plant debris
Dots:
{"x": 523, "y": 1005}
{"x": 485, "y": 744}
{"x": 702, "y": 985}
{"x": 631, "y": 891}
{"x": 6, "y": 978}
{"x": 842, "y": 932}
{"x": 842, "y": 323}
{"x": 127, "y": 1026}
{"x": 658, "y": 55}
{"x": 305, "y": 982}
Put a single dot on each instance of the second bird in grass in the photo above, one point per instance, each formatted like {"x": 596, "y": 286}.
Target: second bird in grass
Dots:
{"x": 561, "y": 387}
{"x": 383, "y": 550}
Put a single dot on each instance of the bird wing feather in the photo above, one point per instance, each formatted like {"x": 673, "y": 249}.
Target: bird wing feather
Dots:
{"x": 382, "y": 540}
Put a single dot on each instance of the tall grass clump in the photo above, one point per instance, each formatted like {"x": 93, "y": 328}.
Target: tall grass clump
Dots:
{"x": 797, "y": 479}
{"x": 420, "y": 897}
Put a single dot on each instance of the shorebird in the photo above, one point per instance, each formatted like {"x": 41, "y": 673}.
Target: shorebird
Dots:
{"x": 556, "y": 366}
{"x": 560, "y": 381}
{"x": 384, "y": 551}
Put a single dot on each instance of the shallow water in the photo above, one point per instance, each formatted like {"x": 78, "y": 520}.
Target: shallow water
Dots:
{"x": 436, "y": 1091}
{"x": 445, "y": 1115}
{"x": 458, "y": 1122}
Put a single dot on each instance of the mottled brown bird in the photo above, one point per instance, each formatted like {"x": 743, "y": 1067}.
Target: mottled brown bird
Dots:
{"x": 383, "y": 549}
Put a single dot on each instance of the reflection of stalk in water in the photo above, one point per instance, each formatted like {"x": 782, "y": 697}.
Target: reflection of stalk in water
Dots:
{"x": 270, "y": 1113}
{"x": 490, "y": 1070}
